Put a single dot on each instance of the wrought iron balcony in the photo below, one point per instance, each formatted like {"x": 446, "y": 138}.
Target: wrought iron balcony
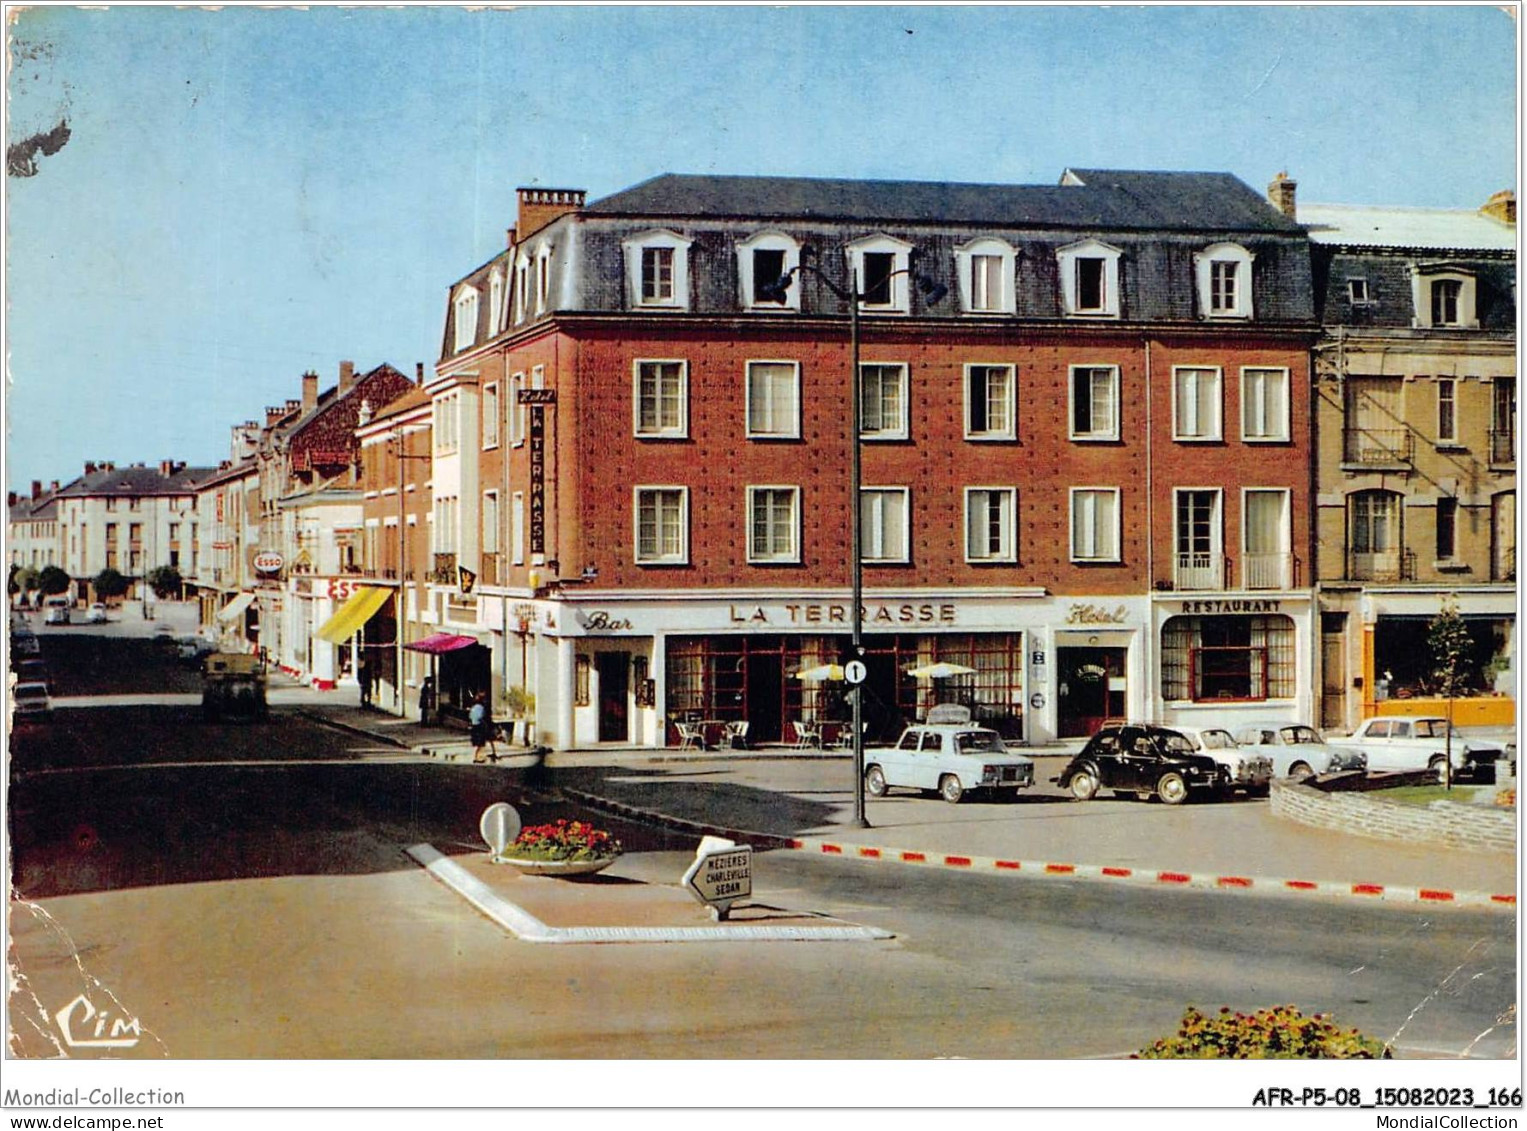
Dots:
{"x": 1267, "y": 571}
{"x": 1503, "y": 447}
{"x": 1199, "y": 571}
{"x": 1378, "y": 445}
{"x": 1389, "y": 565}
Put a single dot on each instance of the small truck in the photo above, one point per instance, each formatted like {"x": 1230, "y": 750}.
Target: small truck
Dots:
{"x": 233, "y": 687}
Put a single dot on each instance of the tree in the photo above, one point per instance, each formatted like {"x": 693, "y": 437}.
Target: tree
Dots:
{"x": 12, "y": 586}
{"x": 1448, "y": 638}
{"x": 52, "y": 580}
{"x": 164, "y": 581}
{"x": 109, "y": 583}
{"x": 25, "y": 579}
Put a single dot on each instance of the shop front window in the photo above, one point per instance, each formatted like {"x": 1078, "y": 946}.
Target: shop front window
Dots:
{"x": 1245, "y": 658}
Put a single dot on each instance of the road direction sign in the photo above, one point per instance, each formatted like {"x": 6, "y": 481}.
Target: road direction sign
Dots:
{"x": 721, "y": 874}
{"x": 855, "y": 672}
{"x": 500, "y": 825}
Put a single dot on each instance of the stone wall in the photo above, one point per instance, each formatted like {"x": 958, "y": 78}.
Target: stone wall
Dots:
{"x": 1472, "y": 828}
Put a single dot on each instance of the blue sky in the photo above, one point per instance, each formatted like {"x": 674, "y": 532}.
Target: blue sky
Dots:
{"x": 247, "y": 194}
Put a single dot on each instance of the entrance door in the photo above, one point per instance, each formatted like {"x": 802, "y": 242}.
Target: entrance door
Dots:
{"x": 1333, "y": 670}
{"x": 614, "y": 669}
{"x": 1091, "y": 687}
{"x": 765, "y": 696}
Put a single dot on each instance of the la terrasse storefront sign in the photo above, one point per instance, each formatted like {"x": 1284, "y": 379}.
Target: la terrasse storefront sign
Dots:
{"x": 792, "y": 614}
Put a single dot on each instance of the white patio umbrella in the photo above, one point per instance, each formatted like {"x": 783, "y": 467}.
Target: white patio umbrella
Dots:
{"x": 941, "y": 670}
{"x": 821, "y": 671}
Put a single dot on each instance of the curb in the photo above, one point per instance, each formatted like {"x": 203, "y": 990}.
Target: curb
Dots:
{"x": 349, "y": 728}
{"x": 527, "y": 928}
{"x": 1257, "y": 885}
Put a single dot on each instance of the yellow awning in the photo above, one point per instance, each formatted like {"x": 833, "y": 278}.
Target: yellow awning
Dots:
{"x": 236, "y": 606}
{"x": 355, "y": 612}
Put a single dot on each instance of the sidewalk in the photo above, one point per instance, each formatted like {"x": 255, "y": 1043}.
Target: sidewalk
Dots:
{"x": 807, "y": 796}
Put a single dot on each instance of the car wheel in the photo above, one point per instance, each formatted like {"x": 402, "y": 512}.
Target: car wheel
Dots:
{"x": 1438, "y": 767}
{"x": 1301, "y": 770}
{"x": 1084, "y": 785}
{"x": 1172, "y": 789}
{"x": 950, "y": 789}
{"x": 874, "y": 782}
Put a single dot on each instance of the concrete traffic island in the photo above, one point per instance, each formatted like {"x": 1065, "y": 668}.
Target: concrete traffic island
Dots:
{"x": 615, "y": 908}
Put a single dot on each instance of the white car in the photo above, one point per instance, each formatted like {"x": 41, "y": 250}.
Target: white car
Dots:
{"x": 1298, "y": 751}
{"x": 30, "y": 700}
{"x": 97, "y": 614}
{"x": 952, "y": 758}
{"x": 1420, "y": 742}
{"x": 56, "y": 614}
{"x": 1250, "y": 770}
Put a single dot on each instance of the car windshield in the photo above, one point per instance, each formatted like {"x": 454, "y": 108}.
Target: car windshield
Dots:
{"x": 1216, "y": 739}
{"x": 1175, "y": 743}
{"x": 989, "y": 741}
{"x": 1431, "y": 728}
{"x": 31, "y": 691}
{"x": 1302, "y": 736}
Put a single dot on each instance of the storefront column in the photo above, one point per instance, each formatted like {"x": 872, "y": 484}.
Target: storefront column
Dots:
{"x": 1367, "y": 666}
{"x": 659, "y": 676}
{"x": 565, "y": 738}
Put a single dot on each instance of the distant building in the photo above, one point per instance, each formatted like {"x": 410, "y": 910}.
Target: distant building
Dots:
{"x": 33, "y": 527}
{"x": 1416, "y": 466}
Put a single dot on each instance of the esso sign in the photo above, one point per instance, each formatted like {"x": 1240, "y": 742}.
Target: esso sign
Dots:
{"x": 268, "y": 561}
{"x": 341, "y": 589}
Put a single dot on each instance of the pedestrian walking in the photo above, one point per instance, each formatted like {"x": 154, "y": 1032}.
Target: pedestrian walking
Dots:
{"x": 426, "y": 699}
{"x": 481, "y": 728}
{"x": 364, "y": 675}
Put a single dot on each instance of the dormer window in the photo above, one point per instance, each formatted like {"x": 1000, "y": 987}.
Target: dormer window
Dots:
{"x": 1445, "y": 297}
{"x": 657, "y": 267}
{"x": 1224, "y": 281}
{"x": 880, "y": 264}
{"x": 521, "y": 288}
{"x": 466, "y": 317}
{"x": 1089, "y": 279}
{"x": 543, "y": 279}
{"x": 495, "y": 301}
{"x": 985, "y": 269}
{"x": 762, "y": 261}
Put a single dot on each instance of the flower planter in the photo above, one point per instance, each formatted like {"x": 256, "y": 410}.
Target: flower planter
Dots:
{"x": 564, "y": 868}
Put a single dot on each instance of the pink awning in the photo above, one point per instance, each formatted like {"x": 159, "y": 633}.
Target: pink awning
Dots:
{"x": 441, "y": 642}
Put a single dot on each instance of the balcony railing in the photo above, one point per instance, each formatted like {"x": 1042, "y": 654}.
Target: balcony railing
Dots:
{"x": 1200, "y": 571}
{"x": 1267, "y": 571}
{"x": 1391, "y": 565}
{"x": 1378, "y": 445}
{"x": 1503, "y": 447}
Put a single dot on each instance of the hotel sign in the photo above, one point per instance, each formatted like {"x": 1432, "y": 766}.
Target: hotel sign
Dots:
{"x": 537, "y": 474}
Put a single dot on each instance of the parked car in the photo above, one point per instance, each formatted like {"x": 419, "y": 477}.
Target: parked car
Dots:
{"x": 1298, "y": 751}
{"x": 30, "y": 700}
{"x": 1420, "y": 742}
{"x": 97, "y": 614}
{"x": 1142, "y": 759}
{"x": 952, "y": 758}
{"x": 1248, "y": 770}
{"x": 192, "y": 649}
{"x": 30, "y": 669}
{"x": 56, "y": 614}
{"x": 25, "y": 643}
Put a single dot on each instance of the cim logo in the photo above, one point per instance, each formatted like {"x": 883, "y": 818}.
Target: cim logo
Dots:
{"x": 268, "y": 561}
{"x": 85, "y": 1027}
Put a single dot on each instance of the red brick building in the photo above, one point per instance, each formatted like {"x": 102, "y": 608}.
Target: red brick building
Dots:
{"x": 1086, "y": 471}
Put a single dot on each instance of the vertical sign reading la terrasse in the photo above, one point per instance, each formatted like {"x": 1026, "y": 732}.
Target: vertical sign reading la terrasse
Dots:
{"x": 537, "y": 399}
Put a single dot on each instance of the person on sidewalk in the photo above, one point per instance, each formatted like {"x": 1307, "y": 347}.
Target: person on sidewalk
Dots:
{"x": 426, "y": 700}
{"x": 481, "y": 728}
{"x": 364, "y": 676}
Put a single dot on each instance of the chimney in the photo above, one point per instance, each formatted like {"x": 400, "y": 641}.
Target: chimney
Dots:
{"x": 309, "y": 392}
{"x": 108, "y": 465}
{"x": 1501, "y": 206}
{"x": 292, "y": 406}
{"x": 166, "y": 467}
{"x": 540, "y": 206}
{"x": 418, "y": 373}
{"x": 509, "y": 237}
{"x": 12, "y": 498}
{"x": 1281, "y": 192}
{"x": 272, "y": 414}
{"x": 37, "y": 488}
{"x": 54, "y": 487}
{"x": 346, "y": 376}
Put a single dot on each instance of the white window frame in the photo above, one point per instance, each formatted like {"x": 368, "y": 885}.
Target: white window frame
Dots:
{"x": 792, "y": 429}
{"x": 1216, "y": 524}
{"x": 1008, "y": 551}
{"x": 1010, "y": 430}
{"x": 648, "y": 241}
{"x": 1093, "y": 436}
{"x": 517, "y": 528}
{"x": 1079, "y": 551}
{"x": 682, "y": 556}
{"x": 679, "y": 431}
{"x": 464, "y": 317}
{"x": 495, "y": 302}
{"x": 521, "y": 295}
{"x": 791, "y": 554}
{"x": 1005, "y": 301}
{"x": 1279, "y": 431}
{"x": 543, "y": 278}
{"x": 1285, "y": 535}
{"x": 901, "y": 430}
{"x": 516, "y": 411}
{"x": 490, "y": 522}
{"x": 1422, "y": 282}
{"x": 490, "y": 415}
{"x": 1239, "y": 260}
{"x": 898, "y": 555}
{"x": 1068, "y": 258}
{"x": 1209, "y": 431}
{"x": 901, "y": 281}
{"x": 1358, "y": 293}
{"x": 1450, "y": 436}
{"x": 768, "y": 241}
{"x": 444, "y": 425}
